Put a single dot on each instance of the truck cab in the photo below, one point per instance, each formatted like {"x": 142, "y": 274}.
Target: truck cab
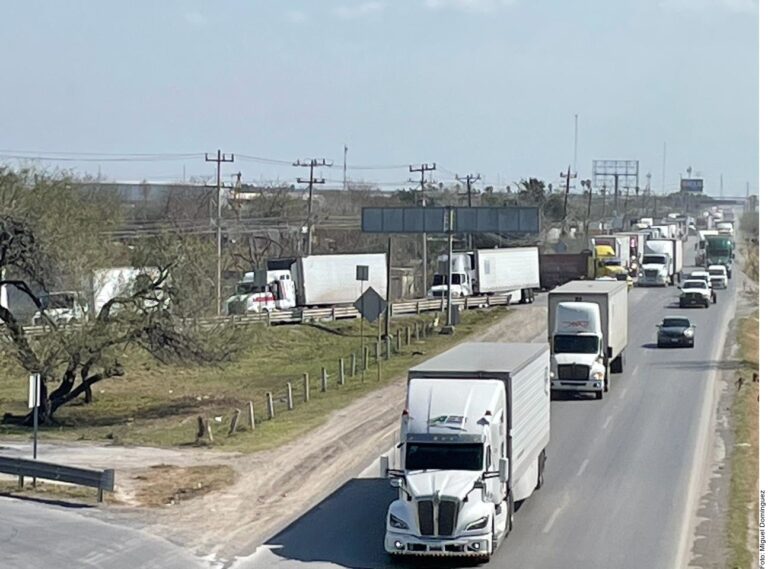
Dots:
{"x": 64, "y": 307}
{"x": 655, "y": 270}
{"x": 577, "y": 348}
{"x": 462, "y": 276}
{"x": 251, "y": 297}
{"x": 452, "y": 436}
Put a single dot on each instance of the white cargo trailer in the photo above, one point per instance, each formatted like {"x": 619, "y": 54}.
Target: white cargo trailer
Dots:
{"x": 512, "y": 271}
{"x": 331, "y": 279}
{"x": 588, "y": 334}
{"x": 473, "y": 442}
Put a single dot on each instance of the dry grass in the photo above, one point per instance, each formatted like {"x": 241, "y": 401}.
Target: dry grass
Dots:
{"x": 742, "y": 514}
{"x": 163, "y": 485}
{"x": 158, "y": 405}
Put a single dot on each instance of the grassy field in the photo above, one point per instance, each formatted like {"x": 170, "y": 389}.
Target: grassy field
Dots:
{"x": 742, "y": 514}
{"x": 159, "y": 405}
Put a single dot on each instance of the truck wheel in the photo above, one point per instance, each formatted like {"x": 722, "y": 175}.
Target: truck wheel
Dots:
{"x": 598, "y": 394}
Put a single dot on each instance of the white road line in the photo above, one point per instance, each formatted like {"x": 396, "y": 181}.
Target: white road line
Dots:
{"x": 623, "y": 393}
{"x": 607, "y": 421}
{"x": 552, "y": 519}
{"x": 582, "y": 467}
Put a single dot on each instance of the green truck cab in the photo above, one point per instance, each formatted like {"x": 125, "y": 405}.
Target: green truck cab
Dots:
{"x": 719, "y": 251}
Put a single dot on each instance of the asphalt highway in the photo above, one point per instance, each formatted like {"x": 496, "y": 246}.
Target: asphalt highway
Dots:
{"x": 621, "y": 479}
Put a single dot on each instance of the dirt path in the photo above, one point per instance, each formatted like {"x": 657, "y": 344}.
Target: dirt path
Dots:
{"x": 276, "y": 486}
{"x": 273, "y": 487}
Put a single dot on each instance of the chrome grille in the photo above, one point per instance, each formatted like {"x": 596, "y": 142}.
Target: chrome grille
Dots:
{"x": 426, "y": 517}
{"x": 573, "y": 371}
{"x": 653, "y": 273}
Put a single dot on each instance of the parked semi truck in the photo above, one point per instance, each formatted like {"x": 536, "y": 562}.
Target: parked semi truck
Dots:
{"x": 662, "y": 262}
{"x": 317, "y": 280}
{"x": 588, "y": 334}
{"x": 719, "y": 251}
{"x": 473, "y": 441}
{"x": 101, "y": 286}
{"x": 559, "y": 268}
{"x": 511, "y": 271}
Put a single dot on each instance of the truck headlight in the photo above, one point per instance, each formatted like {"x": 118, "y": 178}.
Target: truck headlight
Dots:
{"x": 478, "y": 524}
{"x": 597, "y": 375}
{"x": 396, "y": 522}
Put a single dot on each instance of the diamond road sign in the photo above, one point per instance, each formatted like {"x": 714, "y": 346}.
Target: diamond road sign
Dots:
{"x": 371, "y": 305}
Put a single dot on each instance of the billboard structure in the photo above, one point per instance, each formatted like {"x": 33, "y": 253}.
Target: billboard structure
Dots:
{"x": 615, "y": 174}
{"x": 695, "y": 185}
{"x": 516, "y": 220}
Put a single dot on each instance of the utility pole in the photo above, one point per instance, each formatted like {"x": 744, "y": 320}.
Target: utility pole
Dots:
{"x": 587, "y": 184}
{"x": 219, "y": 159}
{"x": 469, "y": 179}
{"x": 568, "y": 177}
{"x": 663, "y": 167}
{"x": 721, "y": 185}
{"x": 311, "y": 164}
{"x": 423, "y": 168}
{"x": 575, "y": 142}
{"x": 345, "y": 167}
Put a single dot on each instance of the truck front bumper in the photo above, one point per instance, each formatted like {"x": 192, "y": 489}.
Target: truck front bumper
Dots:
{"x": 652, "y": 281}
{"x": 466, "y": 546}
{"x": 591, "y": 385}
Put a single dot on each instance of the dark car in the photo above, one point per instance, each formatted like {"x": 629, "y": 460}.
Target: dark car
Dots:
{"x": 675, "y": 331}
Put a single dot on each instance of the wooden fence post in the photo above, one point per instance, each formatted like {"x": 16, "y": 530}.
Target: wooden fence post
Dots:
{"x": 341, "y": 371}
{"x": 324, "y": 381}
{"x": 290, "y": 395}
{"x": 233, "y": 423}
{"x": 270, "y": 406}
{"x": 251, "y": 416}
{"x": 352, "y": 364}
{"x": 365, "y": 358}
{"x": 306, "y": 387}
{"x": 399, "y": 344}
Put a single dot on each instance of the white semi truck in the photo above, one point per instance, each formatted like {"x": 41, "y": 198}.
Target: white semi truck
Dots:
{"x": 473, "y": 442}
{"x": 588, "y": 334}
{"x": 101, "y": 286}
{"x": 510, "y": 271}
{"x": 317, "y": 280}
{"x": 662, "y": 262}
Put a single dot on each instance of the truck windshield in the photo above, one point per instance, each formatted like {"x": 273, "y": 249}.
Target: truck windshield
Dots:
{"x": 433, "y": 456}
{"x": 564, "y": 344}
{"x": 456, "y": 278}
{"x": 59, "y": 301}
{"x": 654, "y": 260}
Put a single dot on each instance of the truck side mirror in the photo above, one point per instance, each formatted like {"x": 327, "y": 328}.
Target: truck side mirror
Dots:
{"x": 503, "y": 470}
{"x": 384, "y": 466}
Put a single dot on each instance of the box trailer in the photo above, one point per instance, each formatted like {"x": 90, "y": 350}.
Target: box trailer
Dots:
{"x": 473, "y": 442}
{"x": 588, "y": 331}
{"x": 559, "y": 268}
{"x": 508, "y": 271}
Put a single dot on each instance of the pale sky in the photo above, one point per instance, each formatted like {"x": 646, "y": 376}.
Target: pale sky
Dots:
{"x": 488, "y": 86}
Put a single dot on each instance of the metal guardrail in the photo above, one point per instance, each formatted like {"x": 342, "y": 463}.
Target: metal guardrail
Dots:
{"x": 300, "y": 315}
{"x": 99, "y": 479}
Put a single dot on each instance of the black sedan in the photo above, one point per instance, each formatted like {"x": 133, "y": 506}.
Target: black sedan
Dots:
{"x": 675, "y": 331}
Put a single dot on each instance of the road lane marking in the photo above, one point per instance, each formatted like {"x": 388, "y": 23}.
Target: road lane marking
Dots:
{"x": 552, "y": 519}
{"x": 607, "y": 421}
{"x": 582, "y": 467}
{"x": 623, "y": 393}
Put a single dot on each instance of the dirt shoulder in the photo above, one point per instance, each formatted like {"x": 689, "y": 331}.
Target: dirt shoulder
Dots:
{"x": 274, "y": 487}
{"x": 269, "y": 488}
